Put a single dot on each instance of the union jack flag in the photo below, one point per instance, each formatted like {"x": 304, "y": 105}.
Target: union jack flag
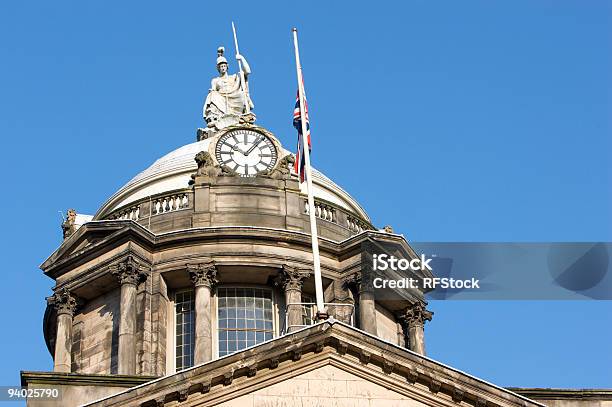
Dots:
{"x": 300, "y": 160}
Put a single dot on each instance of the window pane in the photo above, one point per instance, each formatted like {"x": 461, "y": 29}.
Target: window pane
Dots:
{"x": 245, "y": 316}
{"x": 184, "y": 309}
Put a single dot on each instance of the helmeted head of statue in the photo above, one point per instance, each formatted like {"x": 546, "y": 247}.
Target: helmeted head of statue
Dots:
{"x": 221, "y": 60}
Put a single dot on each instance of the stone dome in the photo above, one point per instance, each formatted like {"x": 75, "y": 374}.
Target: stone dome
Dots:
{"x": 173, "y": 171}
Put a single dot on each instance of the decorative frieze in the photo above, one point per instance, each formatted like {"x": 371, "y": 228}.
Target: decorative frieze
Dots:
{"x": 203, "y": 274}
{"x": 129, "y": 271}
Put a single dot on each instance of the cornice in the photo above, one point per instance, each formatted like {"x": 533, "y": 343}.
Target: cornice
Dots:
{"x": 563, "y": 394}
{"x": 125, "y": 230}
{"x": 71, "y": 379}
{"x": 329, "y": 342}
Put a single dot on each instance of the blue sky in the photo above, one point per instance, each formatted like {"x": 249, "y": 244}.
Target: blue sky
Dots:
{"x": 451, "y": 121}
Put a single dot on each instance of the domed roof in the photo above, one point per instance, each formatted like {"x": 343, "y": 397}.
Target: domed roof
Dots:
{"x": 173, "y": 171}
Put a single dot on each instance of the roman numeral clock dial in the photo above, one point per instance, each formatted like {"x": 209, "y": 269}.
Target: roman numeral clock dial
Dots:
{"x": 246, "y": 151}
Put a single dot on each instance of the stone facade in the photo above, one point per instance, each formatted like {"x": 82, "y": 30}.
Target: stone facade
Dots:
{"x": 112, "y": 320}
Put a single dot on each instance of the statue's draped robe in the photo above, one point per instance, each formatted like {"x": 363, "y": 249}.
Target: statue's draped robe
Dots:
{"x": 224, "y": 97}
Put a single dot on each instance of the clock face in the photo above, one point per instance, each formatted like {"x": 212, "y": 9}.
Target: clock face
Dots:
{"x": 246, "y": 151}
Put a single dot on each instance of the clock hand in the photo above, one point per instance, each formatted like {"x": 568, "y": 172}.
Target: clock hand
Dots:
{"x": 257, "y": 140}
{"x": 235, "y": 148}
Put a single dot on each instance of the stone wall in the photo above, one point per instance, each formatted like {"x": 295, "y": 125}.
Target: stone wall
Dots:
{"x": 386, "y": 326}
{"x": 95, "y": 335}
{"x": 325, "y": 386}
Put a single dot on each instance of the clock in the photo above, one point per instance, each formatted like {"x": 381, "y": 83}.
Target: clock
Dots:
{"x": 246, "y": 151}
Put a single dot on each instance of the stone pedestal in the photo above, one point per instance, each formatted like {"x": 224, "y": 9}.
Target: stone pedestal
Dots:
{"x": 130, "y": 274}
{"x": 65, "y": 304}
{"x": 204, "y": 277}
{"x": 414, "y": 318}
{"x": 291, "y": 280}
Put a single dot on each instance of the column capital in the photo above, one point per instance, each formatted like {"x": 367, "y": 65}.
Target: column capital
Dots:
{"x": 291, "y": 278}
{"x": 203, "y": 274}
{"x": 416, "y": 314}
{"x": 359, "y": 281}
{"x": 63, "y": 302}
{"x": 129, "y": 271}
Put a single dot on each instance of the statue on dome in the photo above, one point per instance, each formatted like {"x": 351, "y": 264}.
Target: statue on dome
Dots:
{"x": 228, "y": 102}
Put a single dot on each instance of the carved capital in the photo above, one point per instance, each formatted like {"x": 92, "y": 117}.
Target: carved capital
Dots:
{"x": 203, "y": 274}
{"x": 353, "y": 281}
{"x": 291, "y": 278}
{"x": 129, "y": 271}
{"x": 416, "y": 315}
{"x": 63, "y": 302}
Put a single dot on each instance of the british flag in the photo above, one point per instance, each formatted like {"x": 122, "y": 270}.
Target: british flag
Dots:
{"x": 300, "y": 160}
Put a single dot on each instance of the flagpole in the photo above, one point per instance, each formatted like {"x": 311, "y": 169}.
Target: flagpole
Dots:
{"x": 321, "y": 312}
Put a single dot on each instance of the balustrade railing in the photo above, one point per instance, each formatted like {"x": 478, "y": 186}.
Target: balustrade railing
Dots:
{"x": 131, "y": 213}
{"x": 322, "y": 211}
{"x": 356, "y": 225}
{"x": 339, "y": 310}
{"x": 170, "y": 203}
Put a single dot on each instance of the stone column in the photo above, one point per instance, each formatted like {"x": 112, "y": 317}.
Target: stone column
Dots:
{"x": 291, "y": 280}
{"x": 204, "y": 277}
{"x": 367, "y": 305}
{"x": 414, "y": 318}
{"x": 129, "y": 273}
{"x": 65, "y": 305}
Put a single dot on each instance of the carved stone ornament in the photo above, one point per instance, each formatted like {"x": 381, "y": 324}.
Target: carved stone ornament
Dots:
{"x": 388, "y": 229}
{"x": 203, "y": 274}
{"x": 208, "y": 168}
{"x": 291, "y": 278}
{"x": 282, "y": 169}
{"x": 353, "y": 281}
{"x": 228, "y": 101}
{"x": 416, "y": 315}
{"x": 63, "y": 302}
{"x": 129, "y": 271}
{"x": 68, "y": 226}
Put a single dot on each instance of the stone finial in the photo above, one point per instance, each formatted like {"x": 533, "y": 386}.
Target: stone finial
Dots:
{"x": 282, "y": 169}
{"x": 416, "y": 314}
{"x": 68, "y": 226}
{"x": 291, "y": 278}
{"x": 63, "y": 302}
{"x": 203, "y": 274}
{"x": 129, "y": 271}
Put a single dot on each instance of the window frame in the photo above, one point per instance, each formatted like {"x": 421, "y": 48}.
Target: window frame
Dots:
{"x": 173, "y": 341}
{"x": 215, "y": 316}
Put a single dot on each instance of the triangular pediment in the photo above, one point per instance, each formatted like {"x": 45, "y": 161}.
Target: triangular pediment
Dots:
{"x": 320, "y": 365}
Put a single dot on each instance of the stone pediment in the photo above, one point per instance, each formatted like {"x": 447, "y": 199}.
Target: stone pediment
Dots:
{"x": 330, "y": 363}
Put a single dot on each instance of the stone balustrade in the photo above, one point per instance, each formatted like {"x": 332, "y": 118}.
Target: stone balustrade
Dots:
{"x": 131, "y": 213}
{"x": 169, "y": 203}
{"x": 356, "y": 225}
{"x": 331, "y": 213}
{"x": 322, "y": 211}
{"x": 174, "y": 201}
